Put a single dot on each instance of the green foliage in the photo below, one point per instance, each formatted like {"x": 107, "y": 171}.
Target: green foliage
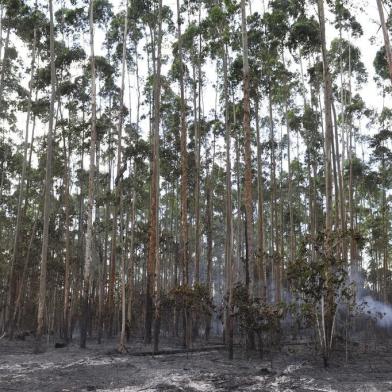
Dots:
{"x": 345, "y": 20}
{"x": 380, "y": 64}
{"x": 252, "y": 314}
{"x": 316, "y": 277}
{"x": 194, "y": 298}
{"x": 346, "y": 58}
{"x": 102, "y": 11}
{"x": 71, "y": 19}
{"x": 304, "y": 35}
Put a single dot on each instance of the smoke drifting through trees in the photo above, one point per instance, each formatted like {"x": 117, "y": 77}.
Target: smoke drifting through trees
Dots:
{"x": 381, "y": 312}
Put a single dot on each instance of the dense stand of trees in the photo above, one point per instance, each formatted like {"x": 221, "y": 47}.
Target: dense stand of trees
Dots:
{"x": 213, "y": 165}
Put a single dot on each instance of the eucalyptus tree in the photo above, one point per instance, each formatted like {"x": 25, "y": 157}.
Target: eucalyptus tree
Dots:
{"x": 209, "y": 224}
{"x": 155, "y": 16}
{"x": 90, "y": 203}
{"x": 119, "y": 180}
{"x": 184, "y": 252}
{"x": 218, "y": 32}
{"x": 195, "y": 52}
{"x": 328, "y": 301}
{"x": 154, "y": 257}
{"x": 48, "y": 188}
{"x": 97, "y": 13}
{"x": 135, "y": 32}
{"x": 248, "y": 199}
{"x": 265, "y": 46}
{"x": 116, "y": 61}
{"x": 190, "y": 49}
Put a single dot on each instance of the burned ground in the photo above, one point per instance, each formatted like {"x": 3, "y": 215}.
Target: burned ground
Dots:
{"x": 100, "y": 368}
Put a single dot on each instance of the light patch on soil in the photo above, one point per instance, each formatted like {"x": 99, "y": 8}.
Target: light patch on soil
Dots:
{"x": 170, "y": 382}
{"x": 22, "y": 370}
{"x": 126, "y": 389}
{"x": 292, "y": 368}
{"x": 310, "y": 385}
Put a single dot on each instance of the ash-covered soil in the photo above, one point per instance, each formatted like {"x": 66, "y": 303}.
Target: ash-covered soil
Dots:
{"x": 100, "y": 368}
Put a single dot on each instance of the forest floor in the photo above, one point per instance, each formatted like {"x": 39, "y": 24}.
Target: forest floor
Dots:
{"x": 100, "y": 368}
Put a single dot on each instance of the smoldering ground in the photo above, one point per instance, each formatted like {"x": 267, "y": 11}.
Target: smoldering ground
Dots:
{"x": 99, "y": 368}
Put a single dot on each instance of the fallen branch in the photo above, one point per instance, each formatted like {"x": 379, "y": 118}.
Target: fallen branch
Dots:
{"x": 177, "y": 351}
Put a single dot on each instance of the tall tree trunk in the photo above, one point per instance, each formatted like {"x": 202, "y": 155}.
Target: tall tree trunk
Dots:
{"x": 48, "y": 190}
{"x": 290, "y": 174}
{"x": 120, "y": 181}
{"x": 199, "y": 119}
{"x": 328, "y": 140}
{"x": 66, "y": 308}
{"x": 341, "y": 185}
{"x": 154, "y": 229}
{"x": 385, "y": 224}
{"x": 78, "y": 268}
{"x": 228, "y": 212}
{"x": 353, "y": 250}
{"x": 105, "y": 258}
{"x": 133, "y": 206}
{"x": 153, "y": 240}
{"x": 150, "y": 262}
{"x": 184, "y": 177}
{"x": 239, "y": 244}
{"x": 100, "y": 244}
{"x": 248, "y": 199}
{"x": 262, "y": 291}
{"x": 335, "y": 183}
{"x": 90, "y": 202}
{"x": 209, "y": 231}
{"x": 197, "y": 182}
{"x": 340, "y": 157}
{"x": 184, "y": 161}
{"x": 274, "y": 240}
